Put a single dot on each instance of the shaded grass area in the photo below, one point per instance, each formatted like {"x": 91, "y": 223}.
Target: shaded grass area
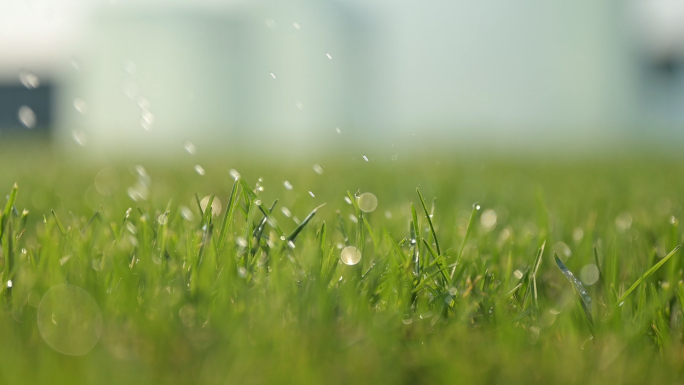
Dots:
{"x": 443, "y": 293}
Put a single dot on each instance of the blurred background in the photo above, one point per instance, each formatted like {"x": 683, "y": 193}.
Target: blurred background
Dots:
{"x": 122, "y": 76}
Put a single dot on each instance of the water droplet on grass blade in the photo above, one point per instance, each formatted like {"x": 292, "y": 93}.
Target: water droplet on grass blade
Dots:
{"x": 350, "y": 255}
{"x": 241, "y": 241}
{"x": 367, "y": 202}
{"x": 234, "y": 174}
{"x": 69, "y": 320}
{"x": 26, "y": 116}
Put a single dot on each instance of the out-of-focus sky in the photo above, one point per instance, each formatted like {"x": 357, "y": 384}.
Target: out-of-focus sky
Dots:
{"x": 301, "y": 69}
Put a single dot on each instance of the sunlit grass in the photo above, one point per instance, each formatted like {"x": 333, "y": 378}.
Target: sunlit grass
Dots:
{"x": 388, "y": 274}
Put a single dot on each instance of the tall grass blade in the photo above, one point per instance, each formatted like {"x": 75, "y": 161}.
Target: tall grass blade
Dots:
{"x": 301, "y": 226}
{"x": 585, "y": 298}
{"x": 228, "y": 216}
{"x": 647, "y": 274}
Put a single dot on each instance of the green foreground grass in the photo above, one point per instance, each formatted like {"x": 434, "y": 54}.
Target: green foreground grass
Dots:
{"x": 158, "y": 291}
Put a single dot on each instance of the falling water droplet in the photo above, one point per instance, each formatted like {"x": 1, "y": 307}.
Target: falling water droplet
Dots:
{"x": 296, "y": 25}
{"x": 299, "y": 105}
{"x": 349, "y": 201}
{"x": 312, "y": 194}
{"x": 190, "y": 147}
{"x": 199, "y": 169}
{"x": 129, "y": 67}
{"x": 286, "y": 212}
{"x": 338, "y": 130}
{"x": 365, "y": 158}
{"x": 80, "y": 105}
{"x": 273, "y": 75}
{"x": 288, "y": 185}
{"x": 80, "y": 137}
{"x": 328, "y": 56}
{"x": 318, "y": 169}
{"x": 26, "y": 117}
{"x": 29, "y": 80}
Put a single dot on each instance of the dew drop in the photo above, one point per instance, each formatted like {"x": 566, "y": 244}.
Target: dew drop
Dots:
{"x": 241, "y": 241}
{"x": 350, "y": 255}
{"x": 242, "y": 272}
{"x": 234, "y": 174}
{"x": 476, "y": 206}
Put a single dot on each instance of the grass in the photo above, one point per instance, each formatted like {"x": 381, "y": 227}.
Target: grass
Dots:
{"x": 165, "y": 289}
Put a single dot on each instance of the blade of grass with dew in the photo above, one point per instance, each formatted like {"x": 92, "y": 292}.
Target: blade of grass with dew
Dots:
{"x": 301, "y": 226}
{"x": 471, "y": 221}
{"x": 228, "y": 217}
{"x": 585, "y": 298}
{"x": 8, "y": 208}
{"x": 647, "y": 274}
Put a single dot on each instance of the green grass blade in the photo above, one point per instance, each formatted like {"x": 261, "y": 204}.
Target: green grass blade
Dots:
{"x": 8, "y": 208}
{"x": 301, "y": 226}
{"x": 59, "y": 224}
{"x": 228, "y": 216}
{"x": 429, "y": 219}
{"x": 585, "y": 298}
{"x": 471, "y": 221}
{"x": 647, "y": 274}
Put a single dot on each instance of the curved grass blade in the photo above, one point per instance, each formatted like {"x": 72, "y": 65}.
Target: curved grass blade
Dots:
{"x": 647, "y": 274}
{"x": 304, "y": 223}
{"x": 585, "y": 299}
{"x": 8, "y": 208}
{"x": 228, "y": 216}
{"x": 471, "y": 221}
{"x": 429, "y": 219}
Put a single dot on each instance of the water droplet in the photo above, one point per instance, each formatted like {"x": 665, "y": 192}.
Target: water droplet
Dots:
{"x": 589, "y": 274}
{"x": 349, "y": 201}
{"x": 9, "y": 283}
{"x": 29, "y": 80}
{"x": 270, "y": 23}
{"x": 388, "y": 214}
{"x": 241, "y": 241}
{"x": 488, "y": 220}
{"x": 338, "y": 130}
{"x": 407, "y": 321}
{"x": 69, "y": 320}
{"x": 296, "y": 25}
{"x": 577, "y": 234}
{"x": 562, "y": 249}
{"x": 107, "y": 181}
{"x": 518, "y": 274}
{"x": 350, "y": 255}
{"x": 186, "y": 213}
{"x": 215, "y": 205}
{"x": 288, "y": 185}
{"x": 353, "y": 218}
{"x": 312, "y": 194}
{"x": 27, "y": 117}
{"x": 190, "y": 148}
{"x": 257, "y": 202}
{"x": 80, "y": 105}
{"x": 163, "y": 219}
{"x": 291, "y": 244}
{"x": 286, "y": 211}
{"x": 327, "y": 54}
{"x": 130, "y": 67}
{"x": 367, "y": 202}
{"x": 200, "y": 170}
{"x": 242, "y": 272}
{"x": 299, "y": 105}
{"x": 234, "y": 174}
{"x": 318, "y": 169}
{"x": 365, "y": 158}
{"x": 273, "y": 75}
{"x": 623, "y": 221}
{"x": 621, "y": 303}
{"x": 143, "y": 103}
{"x": 80, "y": 137}
{"x": 477, "y": 206}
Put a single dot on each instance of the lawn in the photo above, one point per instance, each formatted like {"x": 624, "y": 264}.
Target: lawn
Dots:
{"x": 471, "y": 269}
